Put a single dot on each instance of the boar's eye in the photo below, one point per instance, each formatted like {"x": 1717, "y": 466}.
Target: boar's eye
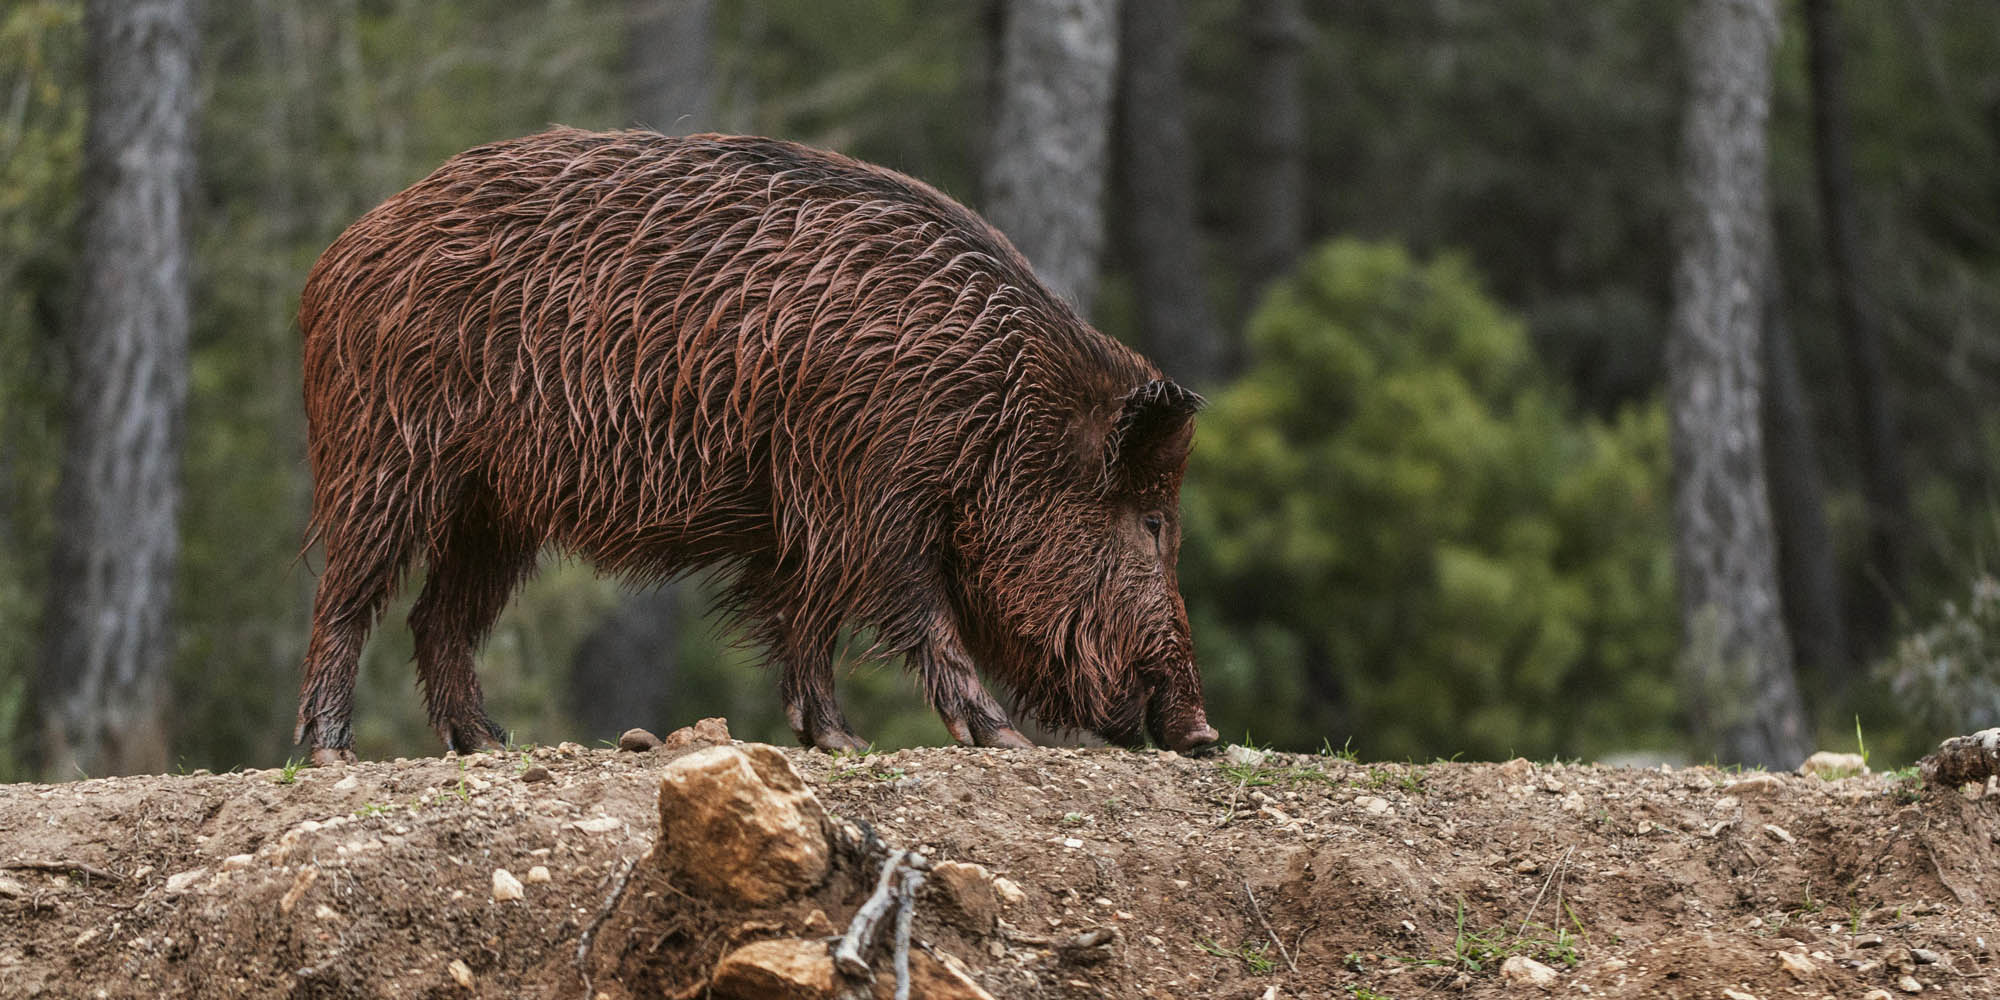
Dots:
{"x": 1154, "y": 524}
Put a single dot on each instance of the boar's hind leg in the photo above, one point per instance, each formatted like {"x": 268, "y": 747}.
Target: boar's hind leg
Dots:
{"x": 475, "y": 565}
{"x": 951, "y": 685}
{"x": 805, "y": 681}
{"x": 361, "y": 570}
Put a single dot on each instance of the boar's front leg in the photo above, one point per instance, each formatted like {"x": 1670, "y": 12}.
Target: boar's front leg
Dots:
{"x": 805, "y": 681}
{"x": 951, "y": 685}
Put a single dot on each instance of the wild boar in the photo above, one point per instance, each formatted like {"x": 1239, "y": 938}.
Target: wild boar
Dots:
{"x": 827, "y": 382}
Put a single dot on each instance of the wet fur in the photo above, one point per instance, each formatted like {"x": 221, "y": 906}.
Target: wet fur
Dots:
{"x": 836, "y": 386}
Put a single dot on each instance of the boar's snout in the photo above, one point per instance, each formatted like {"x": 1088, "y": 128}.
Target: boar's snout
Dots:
{"x": 1176, "y": 721}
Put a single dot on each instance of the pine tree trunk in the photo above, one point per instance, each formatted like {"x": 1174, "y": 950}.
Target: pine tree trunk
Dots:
{"x": 102, "y": 687}
{"x": 1156, "y": 171}
{"x": 1737, "y": 671}
{"x": 1881, "y": 463}
{"x": 1051, "y": 138}
{"x": 1276, "y": 212}
{"x": 669, "y": 55}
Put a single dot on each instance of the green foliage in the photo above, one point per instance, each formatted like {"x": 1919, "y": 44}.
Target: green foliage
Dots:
{"x": 1947, "y": 673}
{"x": 1395, "y": 528}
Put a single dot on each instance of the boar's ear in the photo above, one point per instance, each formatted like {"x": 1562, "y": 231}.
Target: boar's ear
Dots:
{"x": 1153, "y": 430}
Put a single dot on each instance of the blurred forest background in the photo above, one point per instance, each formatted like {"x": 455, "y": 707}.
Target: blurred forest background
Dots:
{"x": 1466, "y": 283}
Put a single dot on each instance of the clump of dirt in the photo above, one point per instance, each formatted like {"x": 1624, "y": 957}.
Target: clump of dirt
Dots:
{"x": 1246, "y": 875}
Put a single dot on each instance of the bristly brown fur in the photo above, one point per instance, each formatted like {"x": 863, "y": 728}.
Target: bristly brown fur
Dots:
{"x": 833, "y": 383}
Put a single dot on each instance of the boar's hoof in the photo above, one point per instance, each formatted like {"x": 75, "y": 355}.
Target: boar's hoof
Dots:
{"x": 468, "y": 735}
{"x": 1195, "y": 740}
{"x": 833, "y": 741}
{"x": 329, "y": 756}
{"x": 1006, "y": 737}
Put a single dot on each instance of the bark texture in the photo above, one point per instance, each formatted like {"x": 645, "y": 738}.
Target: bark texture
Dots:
{"x": 669, "y": 76}
{"x": 1742, "y": 696}
{"x": 101, "y": 689}
{"x": 1156, "y": 171}
{"x": 1051, "y": 138}
{"x": 1277, "y": 31}
{"x": 1882, "y": 480}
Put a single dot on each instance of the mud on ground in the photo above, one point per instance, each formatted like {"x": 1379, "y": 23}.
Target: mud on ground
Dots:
{"x": 1243, "y": 876}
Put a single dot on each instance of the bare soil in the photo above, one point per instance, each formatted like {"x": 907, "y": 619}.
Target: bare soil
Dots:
{"x": 1293, "y": 876}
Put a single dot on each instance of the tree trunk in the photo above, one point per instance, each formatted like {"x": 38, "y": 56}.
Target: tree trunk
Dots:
{"x": 1809, "y": 579}
{"x": 1051, "y": 135}
{"x": 1883, "y": 485}
{"x": 1737, "y": 672}
{"x": 669, "y": 55}
{"x": 622, "y": 673}
{"x": 1156, "y": 173}
{"x": 1276, "y": 182}
{"x": 102, "y": 686}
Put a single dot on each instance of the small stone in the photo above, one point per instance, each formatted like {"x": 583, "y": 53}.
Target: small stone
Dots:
{"x": 347, "y": 784}
{"x": 237, "y": 862}
{"x": 1780, "y": 833}
{"x": 539, "y": 873}
{"x": 1909, "y": 984}
{"x": 1878, "y": 993}
{"x": 1925, "y": 956}
{"x": 1072, "y": 843}
{"x": 817, "y": 923}
{"x": 712, "y": 731}
{"x": 1833, "y": 766}
{"x": 1731, "y": 994}
{"x": 637, "y": 741}
{"x": 180, "y": 883}
{"x": 505, "y": 886}
{"x": 1522, "y": 969}
{"x": 537, "y": 773}
{"x": 599, "y": 824}
{"x": 325, "y": 912}
{"x": 1374, "y": 805}
{"x": 10, "y": 889}
{"x": 786, "y": 969}
{"x": 1868, "y": 941}
{"x": 461, "y": 973}
{"x": 1089, "y": 947}
{"x": 1799, "y": 966}
{"x": 1756, "y": 785}
{"x": 1515, "y": 772}
{"x": 1009, "y": 891}
{"x": 1242, "y": 756}
{"x": 968, "y": 892}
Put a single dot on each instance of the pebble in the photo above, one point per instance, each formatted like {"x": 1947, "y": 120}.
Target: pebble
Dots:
{"x": 1799, "y": 966}
{"x": 1909, "y": 984}
{"x": 637, "y": 740}
{"x": 599, "y": 824}
{"x": 537, "y": 773}
{"x": 1522, "y": 969}
{"x": 539, "y": 873}
{"x": 348, "y": 783}
{"x": 1780, "y": 833}
{"x": 180, "y": 882}
{"x": 461, "y": 973}
{"x": 1242, "y": 756}
{"x": 1756, "y": 784}
{"x": 505, "y": 886}
{"x": 1009, "y": 891}
{"x": 1925, "y": 956}
{"x": 1729, "y": 994}
{"x": 236, "y": 862}
{"x": 1375, "y": 805}
{"x": 1833, "y": 766}
{"x": 1878, "y": 993}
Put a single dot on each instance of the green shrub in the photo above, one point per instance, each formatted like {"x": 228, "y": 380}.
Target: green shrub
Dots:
{"x": 1947, "y": 674}
{"x": 1396, "y": 529}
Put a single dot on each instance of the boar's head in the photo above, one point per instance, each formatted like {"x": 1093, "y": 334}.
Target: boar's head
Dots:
{"x": 1071, "y": 593}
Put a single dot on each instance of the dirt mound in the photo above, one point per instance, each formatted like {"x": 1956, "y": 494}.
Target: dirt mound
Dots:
{"x": 1139, "y": 875}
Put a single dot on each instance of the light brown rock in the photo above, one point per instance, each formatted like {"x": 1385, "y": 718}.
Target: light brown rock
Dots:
{"x": 712, "y": 731}
{"x": 1522, "y": 969}
{"x": 738, "y": 826}
{"x": 1834, "y": 766}
{"x": 967, "y": 894}
{"x": 784, "y": 969}
{"x": 930, "y": 979}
